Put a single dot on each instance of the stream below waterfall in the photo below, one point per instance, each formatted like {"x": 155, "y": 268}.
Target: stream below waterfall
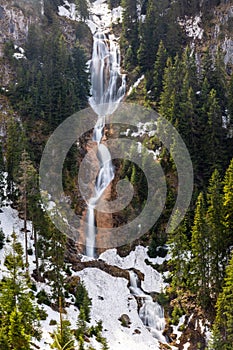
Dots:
{"x": 151, "y": 313}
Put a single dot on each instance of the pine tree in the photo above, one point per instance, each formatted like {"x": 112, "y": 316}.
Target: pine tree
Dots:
{"x": 54, "y": 243}
{"x": 214, "y": 71}
{"x": 14, "y": 146}
{"x": 149, "y": 40}
{"x": 129, "y": 34}
{"x": 63, "y": 337}
{"x": 179, "y": 247}
{"x": 2, "y": 177}
{"x": 215, "y": 135}
{"x": 17, "y": 300}
{"x": 167, "y": 96}
{"x": 2, "y": 238}
{"x": 200, "y": 269}
{"x": 82, "y": 8}
{"x": 223, "y": 325}
{"x": 27, "y": 183}
{"x": 218, "y": 247}
{"x": 83, "y": 301}
{"x": 17, "y": 338}
{"x": 159, "y": 66}
{"x": 230, "y": 101}
{"x": 228, "y": 205}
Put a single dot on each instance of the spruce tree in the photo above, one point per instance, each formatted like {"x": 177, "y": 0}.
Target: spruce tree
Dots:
{"x": 167, "y": 97}
{"x": 215, "y": 134}
{"x": 179, "y": 247}
{"x": 159, "y": 66}
{"x": 228, "y": 206}
{"x": 82, "y": 8}
{"x": 17, "y": 337}
{"x": 200, "y": 269}
{"x": 63, "y": 337}
{"x": 218, "y": 244}
{"x": 14, "y": 145}
{"x": 230, "y": 102}
{"x": 17, "y": 302}
{"x": 149, "y": 40}
{"x": 129, "y": 34}
{"x": 26, "y": 184}
{"x": 223, "y": 325}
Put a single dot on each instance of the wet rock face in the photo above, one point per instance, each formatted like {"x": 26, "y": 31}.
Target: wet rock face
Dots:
{"x": 125, "y": 320}
{"x": 15, "y": 19}
{"x": 2, "y": 12}
{"x": 228, "y": 50}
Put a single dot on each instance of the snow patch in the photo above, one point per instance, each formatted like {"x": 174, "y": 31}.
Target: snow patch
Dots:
{"x": 111, "y": 293}
{"x": 148, "y": 128}
{"x": 68, "y": 10}
{"x": 176, "y": 329}
{"x": 135, "y": 85}
{"x": 186, "y": 346}
{"x": 192, "y": 27}
{"x": 101, "y": 17}
{"x": 153, "y": 281}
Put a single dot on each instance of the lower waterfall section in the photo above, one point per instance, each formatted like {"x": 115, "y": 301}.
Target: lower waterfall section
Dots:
{"x": 104, "y": 177}
{"x": 151, "y": 313}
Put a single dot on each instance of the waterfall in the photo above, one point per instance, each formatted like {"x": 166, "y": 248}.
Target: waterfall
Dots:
{"x": 151, "y": 313}
{"x": 108, "y": 87}
{"x": 42, "y": 7}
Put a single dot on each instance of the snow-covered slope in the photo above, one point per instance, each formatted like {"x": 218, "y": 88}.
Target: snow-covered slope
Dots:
{"x": 111, "y": 296}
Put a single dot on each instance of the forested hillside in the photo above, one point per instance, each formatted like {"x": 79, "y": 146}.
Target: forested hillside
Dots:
{"x": 176, "y": 59}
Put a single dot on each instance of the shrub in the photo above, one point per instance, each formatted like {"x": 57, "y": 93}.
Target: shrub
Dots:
{"x": 2, "y": 239}
{"x": 43, "y": 298}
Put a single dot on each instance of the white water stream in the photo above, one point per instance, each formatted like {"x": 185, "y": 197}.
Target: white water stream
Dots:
{"x": 151, "y": 313}
{"x": 108, "y": 87}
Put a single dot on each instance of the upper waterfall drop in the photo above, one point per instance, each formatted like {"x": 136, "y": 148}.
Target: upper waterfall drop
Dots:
{"x": 108, "y": 85}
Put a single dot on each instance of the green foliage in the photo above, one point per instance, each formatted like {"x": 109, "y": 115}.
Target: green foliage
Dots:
{"x": 159, "y": 66}
{"x": 163, "y": 299}
{"x": 17, "y": 338}
{"x": 63, "y": 337}
{"x": 52, "y": 82}
{"x": 217, "y": 237}
{"x": 82, "y": 8}
{"x": 82, "y": 301}
{"x": 179, "y": 246}
{"x": 200, "y": 272}
{"x": 176, "y": 314}
{"x": 113, "y": 3}
{"x": 228, "y": 203}
{"x": 19, "y": 315}
{"x": 223, "y": 326}
{"x": 129, "y": 34}
{"x": 2, "y": 239}
{"x": 43, "y": 297}
{"x": 14, "y": 146}
{"x": 84, "y": 330}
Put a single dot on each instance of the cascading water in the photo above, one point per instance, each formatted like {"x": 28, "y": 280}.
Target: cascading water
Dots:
{"x": 151, "y": 313}
{"x": 108, "y": 87}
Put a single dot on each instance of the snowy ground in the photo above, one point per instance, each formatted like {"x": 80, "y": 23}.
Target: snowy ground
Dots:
{"x": 101, "y": 17}
{"x": 153, "y": 281}
{"x": 192, "y": 27}
{"x": 111, "y": 298}
{"x": 110, "y": 295}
